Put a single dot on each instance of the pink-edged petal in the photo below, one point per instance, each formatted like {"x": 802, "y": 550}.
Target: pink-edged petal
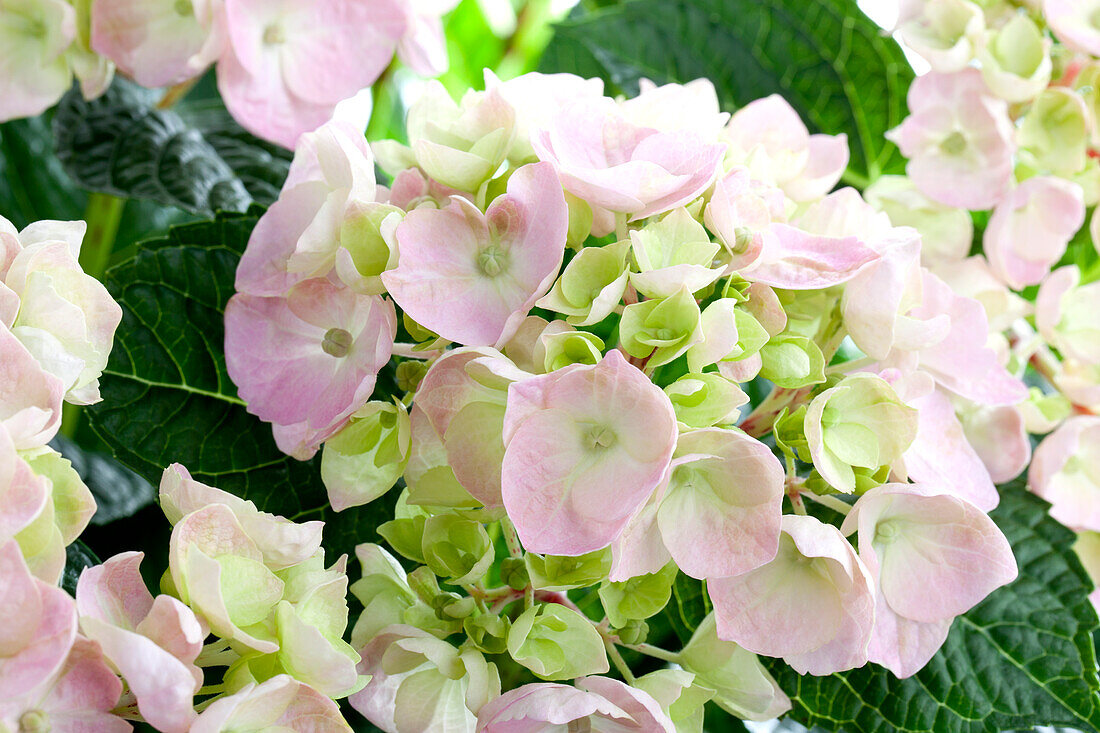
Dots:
{"x": 796, "y": 260}
{"x": 940, "y": 454}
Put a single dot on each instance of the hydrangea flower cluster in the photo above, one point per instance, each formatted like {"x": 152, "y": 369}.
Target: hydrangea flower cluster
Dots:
{"x": 115, "y": 652}
{"x": 1008, "y": 121}
{"x": 578, "y": 292}
{"x": 282, "y": 66}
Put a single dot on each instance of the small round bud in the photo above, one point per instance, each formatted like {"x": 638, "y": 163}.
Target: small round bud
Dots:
{"x": 487, "y": 632}
{"x": 513, "y": 573}
{"x": 424, "y": 584}
{"x": 409, "y": 375}
{"x": 635, "y": 632}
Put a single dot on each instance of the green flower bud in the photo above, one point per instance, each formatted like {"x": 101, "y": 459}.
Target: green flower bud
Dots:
{"x": 409, "y": 375}
{"x": 68, "y": 509}
{"x": 807, "y": 310}
{"x": 792, "y": 362}
{"x": 1054, "y": 134}
{"x": 704, "y": 400}
{"x": 635, "y": 631}
{"x": 457, "y": 549}
{"x": 487, "y": 632}
{"x": 367, "y": 457}
{"x": 751, "y": 335}
{"x": 661, "y": 329}
{"x": 367, "y": 235}
{"x": 424, "y": 338}
{"x": 859, "y": 423}
{"x": 790, "y": 434}
{"x": 637, "y": 598}
{"x": 671, "y": 253}
{"x": 513, "y": 573}
{"x": 1016, "y": 62}
{"x": 571, "y": 347}
{"x": 556, "y": 573}
{"x": 405, "y": 536}
{"x": 424, "y": 583}
{"x": 580, "y": 220}
{"x": 556, "y": 643}
{"x": 591, "y": 285}
{"x": 449, "y": 606}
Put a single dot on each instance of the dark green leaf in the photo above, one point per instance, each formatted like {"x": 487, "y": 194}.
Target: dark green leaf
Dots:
{"x": 827, "y": 59}
{"x": 118, "y": 491}
{"x": 33, "y": 185}
{"x": 1022, "y": 657}
{"x": 78, "y": 556}
{"x": 197, "y": 159}
{"x": 688, "y": 606}
{"x": 167, "y": 397}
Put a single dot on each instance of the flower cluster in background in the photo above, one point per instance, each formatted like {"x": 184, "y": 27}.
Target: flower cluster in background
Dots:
{"x": 578, "y": 293}
{"x": 115, "y": 652}
{"x": 282, "y": 66}
{"x": 1008, "y": 122}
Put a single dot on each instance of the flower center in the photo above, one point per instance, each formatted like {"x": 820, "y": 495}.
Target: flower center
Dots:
{"x": 742, "y": 240}
{"x": 34, "y": 721}
{"x": 887, "y": 532}
{"x": 184, "y": 8}
{"x": 337, "y": 342}
{"x": 954, "y": 143}
{"x": 600, "y": 437}
{"x": 492, "y": 260}
{"x": 273, "y": 35}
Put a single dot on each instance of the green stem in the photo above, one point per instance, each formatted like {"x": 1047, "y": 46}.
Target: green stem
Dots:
{"x": 103, "y": 215}
{"x": 618, "y": 661}
{"x": 654, "y": 651}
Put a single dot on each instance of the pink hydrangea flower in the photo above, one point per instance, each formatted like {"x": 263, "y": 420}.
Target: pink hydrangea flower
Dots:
{"x": 940, "y": 454}
{"x": 80, "y": 697}
{"x": 30, "y": 398}
{"x": 769, "y": 136}
{"x": 423, "y": 47}
{"x": 1029, "y": 230}
{"x": 49, "y": 676}
{"x": 66, "y": 318}
{"x": 281, "y": 542}
{"x": 330, "y": 181}
{"x": 933, "y": 557}
{"x": 593, "y": 703}
{"x": 537, "y": 97}
{"x": 463, "y": 396}
{"x": 152, "y": 642}
{"x": 158, "y": 42}
{"x": 999, "y": 436}
{"x": 36, "y": 66}
{"x": 719, "y": 513}
{"x": 585, "y": 446}
{"x": 1065, "y": 471}
{"x": 1066, "y": 314}
{"x": 1074, "y": 23}
{"x": 39, "y": 628}
{"x": 740, "y": 212}
{"x": 473, "y": 277}
{"x": 959, "y": 140}
{"x": 813, "y": 605}
{"x": 611, "y": 162}
{"x": 308, "y": 361}
{"x": 289, "y": 62}
{"x": 961, "y": 362}
{"x": 280, "y": 703}
{"x": 23, "y": 495}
